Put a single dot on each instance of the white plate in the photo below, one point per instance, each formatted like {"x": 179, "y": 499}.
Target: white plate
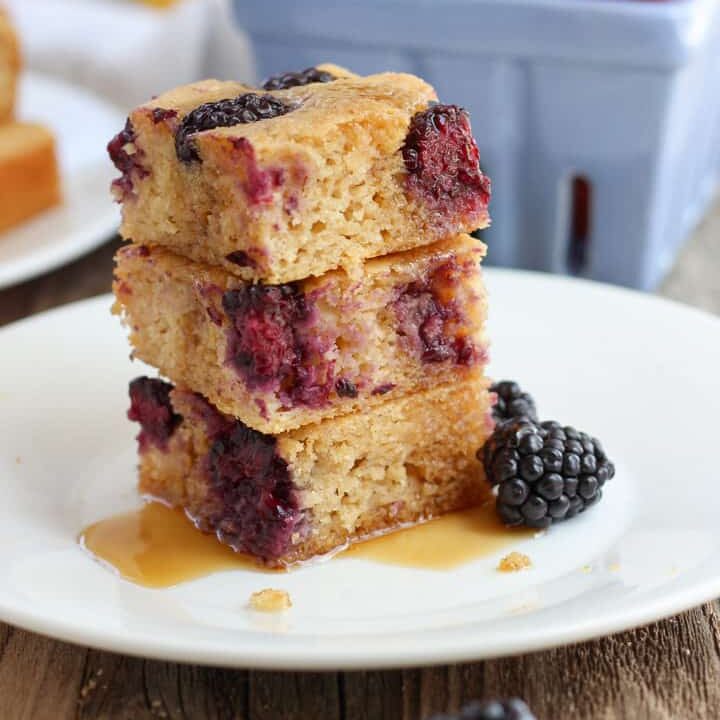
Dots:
{"x": 639, "y": 372}
{"x": 83, "y": 124}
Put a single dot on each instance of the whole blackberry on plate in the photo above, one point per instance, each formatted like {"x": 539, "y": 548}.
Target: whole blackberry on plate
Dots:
{"x": 544, "y": 472}
{"x": 512, "y": 402}
{"x": 513, "y": 709}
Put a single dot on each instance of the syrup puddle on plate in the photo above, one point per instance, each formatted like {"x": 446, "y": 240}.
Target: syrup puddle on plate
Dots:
{"x": 156, "y": 546}
{"x": 443, "y": 543}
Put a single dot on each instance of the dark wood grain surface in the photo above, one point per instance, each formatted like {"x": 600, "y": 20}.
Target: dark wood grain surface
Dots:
{"x": 667, "y": 671}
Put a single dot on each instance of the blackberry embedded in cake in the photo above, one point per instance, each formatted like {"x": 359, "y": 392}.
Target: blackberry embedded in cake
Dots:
{"x": 308, "y": 76}
{"x": 245, "y": 108}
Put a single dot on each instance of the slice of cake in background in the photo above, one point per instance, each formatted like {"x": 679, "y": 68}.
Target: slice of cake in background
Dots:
{"x": 294, "y": 495}
{"x": 9, "y": 67}
{"x": 281, "y": 356}
{"x": 29, "y": 177}
{"x": 288, "y": 183}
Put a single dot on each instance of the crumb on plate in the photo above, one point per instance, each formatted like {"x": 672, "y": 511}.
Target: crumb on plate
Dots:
{"x": 269, "y": 600}
{"x": 514, "y": 562}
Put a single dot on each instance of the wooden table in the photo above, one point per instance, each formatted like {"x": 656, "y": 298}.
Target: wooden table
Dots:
{"x": 667, "y": 671}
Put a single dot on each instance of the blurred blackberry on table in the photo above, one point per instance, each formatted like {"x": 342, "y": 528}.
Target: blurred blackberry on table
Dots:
{"x": 513, "y": 709}
{"x": 544, "y": 472}
{"x": 512, "y": 402}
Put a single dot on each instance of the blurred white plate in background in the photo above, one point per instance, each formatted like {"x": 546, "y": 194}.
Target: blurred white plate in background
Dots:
{"x": 83, "y": 123}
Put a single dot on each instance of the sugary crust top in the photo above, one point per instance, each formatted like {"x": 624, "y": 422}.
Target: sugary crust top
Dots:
{"x": 318, "y": 106}
{"x": 410, "y": 261}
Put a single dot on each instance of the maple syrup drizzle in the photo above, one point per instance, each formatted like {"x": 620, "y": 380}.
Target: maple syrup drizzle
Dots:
{"x": 443, "y": 543}
{"x": 157, "y": 546}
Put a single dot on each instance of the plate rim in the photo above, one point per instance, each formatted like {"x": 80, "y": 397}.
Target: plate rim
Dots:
{"x": 254, "y": 651}
{"x": 255, "y": 655}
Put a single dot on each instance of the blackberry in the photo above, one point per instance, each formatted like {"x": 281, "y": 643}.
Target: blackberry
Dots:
{"x": 426, "y": 312}
{"x": 270, "y": 344}
{"x": 127, "y": 158}
{"x": 513, "y": 709}
{"x": 254, "y": 501}
{"x": 241, "y": 258}
{"x": 346, "y": 388}
{"x": 294, "y": 79}
{"x": 224, "y": 113}
{"x": 262, "y": 343}
{"x": 162, "y": 114}
{"x": 443, "y": 162}
{"x": 151, "y": 407}
{"x": 544, "y": 472}
{"x": 512, "y": 402}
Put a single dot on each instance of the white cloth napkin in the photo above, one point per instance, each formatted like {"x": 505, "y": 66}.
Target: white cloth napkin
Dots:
{"x": 127, "y": 51}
